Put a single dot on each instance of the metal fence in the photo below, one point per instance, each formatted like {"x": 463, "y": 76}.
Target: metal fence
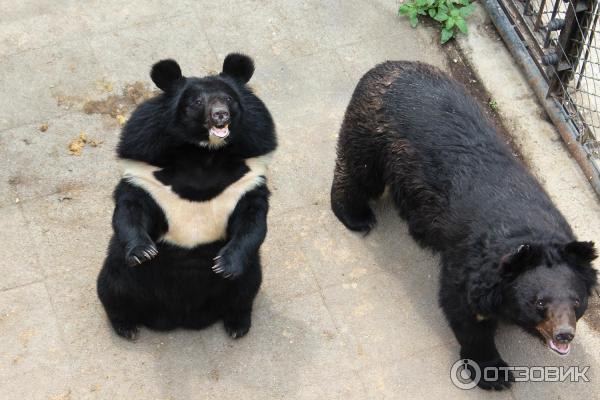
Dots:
{"x": 562, "y": 38}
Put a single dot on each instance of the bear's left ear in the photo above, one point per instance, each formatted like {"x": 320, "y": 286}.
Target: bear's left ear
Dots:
{"x": 238, "y": 66}
{"x": 583, "y": 252}
{"x": 166, "y": 74}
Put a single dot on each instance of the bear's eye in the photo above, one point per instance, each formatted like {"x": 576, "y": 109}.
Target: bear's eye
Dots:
{"x": 228, "y": 99}
{"x": 540, "y": 303}
{"x": 576, "y": 303}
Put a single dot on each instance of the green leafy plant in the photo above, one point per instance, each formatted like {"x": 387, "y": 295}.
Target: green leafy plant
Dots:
{"x": 451, "y": 14}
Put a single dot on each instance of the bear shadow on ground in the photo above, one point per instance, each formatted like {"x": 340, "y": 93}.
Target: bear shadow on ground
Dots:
{"x": 210, "y": 361}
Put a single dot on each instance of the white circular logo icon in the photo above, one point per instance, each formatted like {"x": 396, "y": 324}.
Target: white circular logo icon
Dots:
{"x": 465, "y": 374}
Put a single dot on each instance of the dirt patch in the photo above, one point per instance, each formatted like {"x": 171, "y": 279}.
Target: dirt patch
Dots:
{"x": 462, "y": 71}
{"x": 67, "y": 102}
{"x": 214, "y": 375}
{"x": 14, "y": 181}
{"x": 118, "y": 105}
{"x": 115, "y": 106}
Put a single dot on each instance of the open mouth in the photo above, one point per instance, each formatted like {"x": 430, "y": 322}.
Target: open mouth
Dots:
{"x": 562, "y": 348}
{"x": 220, "y": 131}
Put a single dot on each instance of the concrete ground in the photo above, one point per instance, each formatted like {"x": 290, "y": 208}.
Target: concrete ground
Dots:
{"x": 338, "y": 316}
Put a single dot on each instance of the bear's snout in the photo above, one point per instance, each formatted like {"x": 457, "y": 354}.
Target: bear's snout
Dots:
{"x": 219, "y": 114}
{"x": 565, "y": 334}
{"x": 559, "y": 327}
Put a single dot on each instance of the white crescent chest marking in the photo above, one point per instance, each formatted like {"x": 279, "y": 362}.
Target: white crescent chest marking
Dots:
{"x": 192, "y": 223}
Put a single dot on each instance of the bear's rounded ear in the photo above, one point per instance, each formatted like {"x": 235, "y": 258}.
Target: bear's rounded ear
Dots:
{"x": 582, "y": 252}
{"x": 523, "y": 257}
{"x": 238, "y": 66}
{"x": 166, "y": 74}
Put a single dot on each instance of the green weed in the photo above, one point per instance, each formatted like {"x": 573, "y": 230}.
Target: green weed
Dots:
{"x": 451, "y": 14}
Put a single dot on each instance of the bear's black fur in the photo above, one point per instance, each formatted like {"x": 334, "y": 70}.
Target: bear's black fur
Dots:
{"x": 506, "y": 251}
{"x": 190, "y": 212}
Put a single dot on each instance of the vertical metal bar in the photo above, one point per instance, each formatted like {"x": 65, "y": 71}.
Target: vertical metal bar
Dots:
{"x": 555, "y": 9}
{"x": 548, "y": 32}
{"x": 538, "y": 20}
{"x": 587, "y": 45}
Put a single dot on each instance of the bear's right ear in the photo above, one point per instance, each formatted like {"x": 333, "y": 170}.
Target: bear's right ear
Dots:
{"x": 238, "y": 66}
{"x": 522, "y": 258}
{"x": 166, "y": 74}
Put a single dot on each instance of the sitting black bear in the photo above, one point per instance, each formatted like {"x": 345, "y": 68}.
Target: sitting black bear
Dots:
{"x": 191, "y": 208}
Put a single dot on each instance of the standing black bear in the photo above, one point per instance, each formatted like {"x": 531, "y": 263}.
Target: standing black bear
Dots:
{"x": 191, "y": 208}
{"x": 506, "y": 251}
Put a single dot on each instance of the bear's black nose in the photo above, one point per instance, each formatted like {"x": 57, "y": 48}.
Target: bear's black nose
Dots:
{"x": 564, "y": 336}
{"x": 220, "y": 115}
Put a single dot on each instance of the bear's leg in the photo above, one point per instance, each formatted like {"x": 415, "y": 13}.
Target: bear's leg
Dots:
{"x": 239, "y": 261}
{"x": 356, "y": 180}
{"x": 240, "y": 298}
{"x": 120, "y": 307}
{"x": 476, "y": 338}
{"x": 247, "y": 228}
{"x": 135, "y": 216}
{"x": 415, "y": 200}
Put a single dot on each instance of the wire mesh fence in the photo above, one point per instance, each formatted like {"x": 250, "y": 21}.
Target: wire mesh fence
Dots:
{"x": 563, "y": 38}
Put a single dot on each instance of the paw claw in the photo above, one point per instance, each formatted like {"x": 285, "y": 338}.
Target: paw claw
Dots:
{"x": 237, "y": 328}
{"x": 127, "y": 332}
{"x": 140, "y": 254}
{"x": 227, "y": 263}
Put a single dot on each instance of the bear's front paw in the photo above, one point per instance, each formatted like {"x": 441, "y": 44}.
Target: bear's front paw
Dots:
{"x": 356, "y": 219}
{"x": 494, "y": 375}
{"x": 237, "y": 326}
{"x": 138, "y": 254}
{"x": 127, "y": 331}
{"x": 227, "y": 264}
